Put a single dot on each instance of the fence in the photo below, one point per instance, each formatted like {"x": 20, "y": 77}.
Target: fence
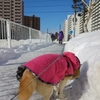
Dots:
{"x": 11, "y": 32}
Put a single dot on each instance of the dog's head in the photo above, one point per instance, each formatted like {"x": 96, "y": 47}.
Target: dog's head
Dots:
{"x": 76, "y": 73}
{"x": 20, "y": 72}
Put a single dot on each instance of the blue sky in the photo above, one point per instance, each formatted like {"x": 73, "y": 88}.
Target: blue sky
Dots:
{"x": 52, "y": 13}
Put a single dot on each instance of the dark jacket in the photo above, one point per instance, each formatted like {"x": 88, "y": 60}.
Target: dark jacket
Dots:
{"x": 60, "y": 36}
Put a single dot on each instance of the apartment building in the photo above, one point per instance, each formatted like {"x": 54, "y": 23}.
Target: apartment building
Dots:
{"x": 95, "y": 19}
{"x": 93, "y": 24}
{"x": 68, "y": 27}
{"x": 32, "y": 21}
{"x": 82, "y": 21}
{"x": 65, "y": 30}
{"x": 12, "y": 10}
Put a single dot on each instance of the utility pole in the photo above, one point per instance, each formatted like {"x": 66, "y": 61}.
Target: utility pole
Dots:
{"x": 59, "y": 27}
{"x": 47, "y": 30}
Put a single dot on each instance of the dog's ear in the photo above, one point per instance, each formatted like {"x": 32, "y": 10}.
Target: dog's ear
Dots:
{"x": 20, "y": 72}
{"x": 21, "y": 67}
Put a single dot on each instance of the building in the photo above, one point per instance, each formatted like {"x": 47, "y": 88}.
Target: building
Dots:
{"x": 32, "y": 21}
{"x": 93, "y": 24}
{"x": 95, "y": 19}
{"x": 12, "y": 10}
{"x": 82, "y": 21}
{"x": 69, "y": 26}
{"x": 65, "y": 30}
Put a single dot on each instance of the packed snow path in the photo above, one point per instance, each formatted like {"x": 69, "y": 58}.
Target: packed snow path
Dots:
{"x": 8, "y": 82}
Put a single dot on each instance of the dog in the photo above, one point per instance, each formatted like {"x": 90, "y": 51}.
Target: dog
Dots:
{"x": 46, "y": 73}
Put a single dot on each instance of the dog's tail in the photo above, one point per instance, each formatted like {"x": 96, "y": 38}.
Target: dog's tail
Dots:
{"x": 20, "y": 72}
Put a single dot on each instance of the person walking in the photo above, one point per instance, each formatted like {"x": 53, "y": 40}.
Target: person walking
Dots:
{"x": 60, "y": 37}
{"x": 56, "y": 35}
{"x": 52, "y": 37}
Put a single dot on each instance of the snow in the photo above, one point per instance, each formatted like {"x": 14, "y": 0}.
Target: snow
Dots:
{"x": 86, "y": 46}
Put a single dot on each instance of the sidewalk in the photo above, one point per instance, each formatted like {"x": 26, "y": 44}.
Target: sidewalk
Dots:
{"x": 8, "y": 81}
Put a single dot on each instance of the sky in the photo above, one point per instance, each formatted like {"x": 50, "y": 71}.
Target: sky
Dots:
{"x": 85, "y": 46}
{"x": 52, "y": 13}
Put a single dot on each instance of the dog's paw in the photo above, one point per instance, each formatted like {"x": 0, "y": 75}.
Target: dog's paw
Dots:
{"x": 57, "y": 99}
{"x": 61, "y": 96}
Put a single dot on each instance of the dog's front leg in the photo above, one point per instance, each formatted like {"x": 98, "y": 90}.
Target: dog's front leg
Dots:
{"x": 61, "y": 87}
{"x": 56, "y": 90}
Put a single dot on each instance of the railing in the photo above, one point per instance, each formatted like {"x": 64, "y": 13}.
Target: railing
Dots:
{"x": 11, "y": 32}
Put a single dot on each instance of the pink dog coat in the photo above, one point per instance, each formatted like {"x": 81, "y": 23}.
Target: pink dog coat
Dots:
{"x": 50, "y": 71}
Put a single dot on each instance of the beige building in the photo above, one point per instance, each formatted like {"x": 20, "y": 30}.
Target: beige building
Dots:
{"x": 12, "y": 10}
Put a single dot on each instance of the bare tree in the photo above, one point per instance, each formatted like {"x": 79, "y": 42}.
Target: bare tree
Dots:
{"x": 89, "y": 6}
{"x": 77, "y": 6}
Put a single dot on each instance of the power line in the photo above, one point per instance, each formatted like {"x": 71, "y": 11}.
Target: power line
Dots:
{"x": 50, "y": 12}
{"x": 53, "y": 14}
{"x": 48, "y": 6}
{"x": 44, "y": 0}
